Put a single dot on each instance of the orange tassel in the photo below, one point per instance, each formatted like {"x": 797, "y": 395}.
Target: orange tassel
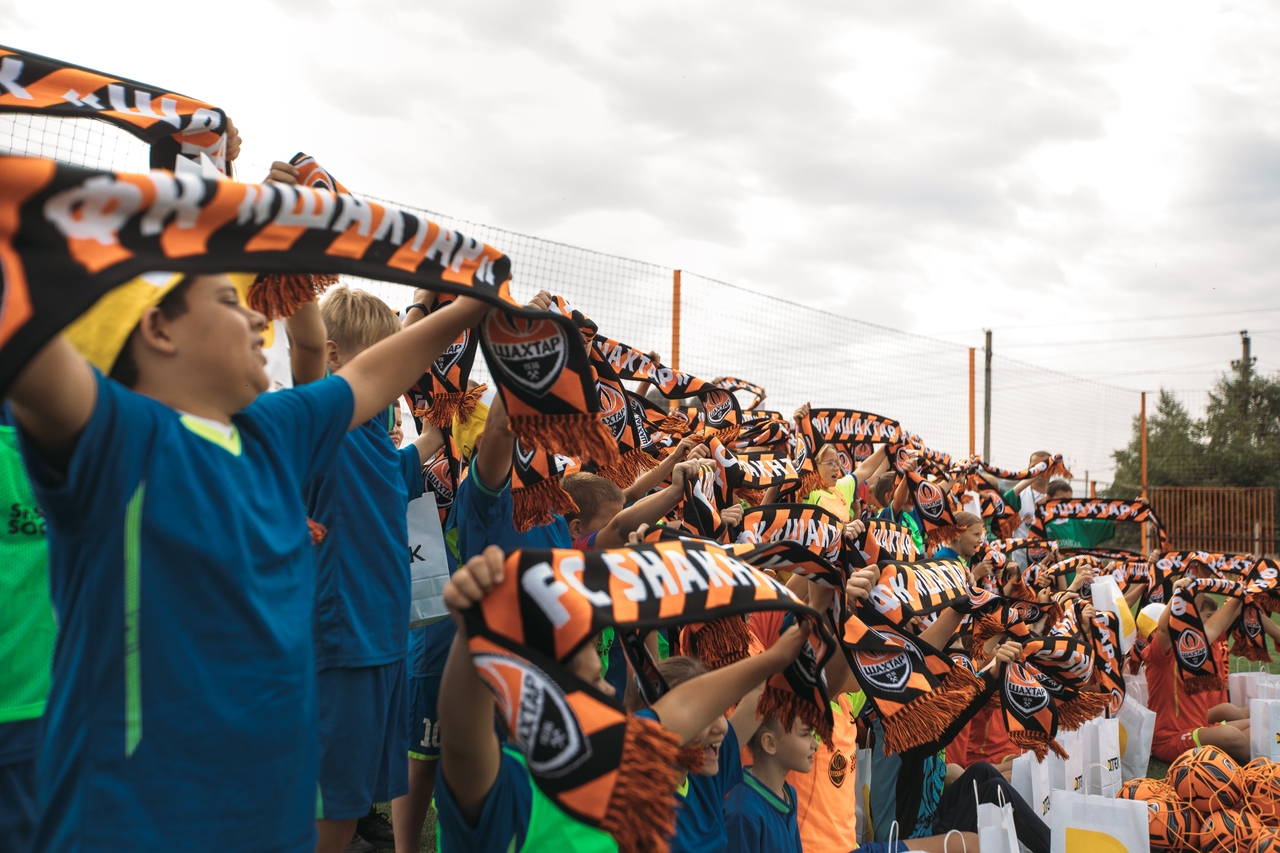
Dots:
{"x": 278, "y": 295}
{"x": 1074, "y": 713}
{"x": 535, "y": 505}
{"x": 717, "y": 643}
{"x": 641, "y": 814}
{"x": 318, "y": 531}
{"x": 787, "y": 707}
{"x": 579, "y": 434}
{"x": 1202, "y": 684}
{"x": 925, "y": 718}
{"x": 1037, "y": 742}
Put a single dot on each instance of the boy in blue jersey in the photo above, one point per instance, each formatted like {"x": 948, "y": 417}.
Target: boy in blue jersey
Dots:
{"x": 362, "y": 592}
{"x": 760, "y": 812}
{"x": 182, "y": 713}
{"x": 488, "y": 803}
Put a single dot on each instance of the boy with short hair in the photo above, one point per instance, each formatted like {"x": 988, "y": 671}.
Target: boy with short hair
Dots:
{"x": 362, "y": 592}
{"x": 183, "y": 708}
{"x": 604, "y": 521}
{"x": 760, "y": 811}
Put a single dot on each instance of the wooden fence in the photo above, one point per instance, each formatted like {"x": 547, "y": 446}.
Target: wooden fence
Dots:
{"x": 1218, "y": 519}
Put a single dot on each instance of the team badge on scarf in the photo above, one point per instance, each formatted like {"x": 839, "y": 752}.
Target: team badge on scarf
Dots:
{"x": 1198, "y": 669}
{"x": 935, "y": 507}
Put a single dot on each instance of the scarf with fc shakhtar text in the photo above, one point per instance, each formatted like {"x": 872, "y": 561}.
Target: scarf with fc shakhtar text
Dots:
{"x": 601, "y": 766}
{"x": 1136, "y": 511}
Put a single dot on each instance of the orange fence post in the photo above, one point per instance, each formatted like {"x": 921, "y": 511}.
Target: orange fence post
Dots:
{"x": 675, "y": 321}
{"x": 973, "y": 402}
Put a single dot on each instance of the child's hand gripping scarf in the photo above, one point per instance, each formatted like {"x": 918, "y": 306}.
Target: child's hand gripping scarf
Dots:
{"x": 720, "y": 410}
{"x": 1248, "y": 639}
{"x": 1051, "y": 467}
{"x": 1003, "y": 518}
{"x": 728, "y": 383}
{"x": 1030, "y": 712}
{"x": 1065, "y": 666}
{"x": 1103, "y": 634}
{"x": 600, "y": 765}
{"x": 74, "y": 234}
{"x": 180, "y": 130}
{"x": 712, "y": 491}
{"x": 1136, "y": 511}
{"x": 278, "y": 295}
{"x": 1196, "y": 664}
{"x": 934, "y": 506}
{"x": 536, "y": 493}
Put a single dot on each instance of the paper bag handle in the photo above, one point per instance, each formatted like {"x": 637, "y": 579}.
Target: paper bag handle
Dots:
{"x": 946, "y": 838}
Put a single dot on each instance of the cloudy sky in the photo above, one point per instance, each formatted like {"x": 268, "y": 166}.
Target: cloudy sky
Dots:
{"x": 1064, "y": 173}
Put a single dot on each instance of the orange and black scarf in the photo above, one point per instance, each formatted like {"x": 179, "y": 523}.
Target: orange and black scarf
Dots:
{"x": 1248, "y": 639}
{"x": 847, "y": 430}
{"x": 175, "y": 126}
{"x": 1136, "y": 511}
{"x": 1103, "y": 633}
{"x": 1196, "y": 664}
{"x": 809, "y": 525}
{"x": 728, "y": 383}
{"x": 885, "y": 541}
{"x": 441, "y": 393}
{"x": 1003, "y": 519}
{"x": 935, "y": 507}
{"x": 278, "y": 295}
{"x": 1263, "y": 580}
{"x": 600, "y": 765}
{"x": 1066, "y": 667}
{"x": 1051, "y": 467}
{"x": 536, "y": 493}
{"x": 441, "y": 474}
{"x": 1030, "y": 712}
{"x": 764, "y": 468}
{"x": 73, "y": 234}
{"x": 711, "y": 492}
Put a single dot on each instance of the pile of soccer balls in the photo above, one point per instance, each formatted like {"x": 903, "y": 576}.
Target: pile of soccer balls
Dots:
{"x": 1211, "y": 804}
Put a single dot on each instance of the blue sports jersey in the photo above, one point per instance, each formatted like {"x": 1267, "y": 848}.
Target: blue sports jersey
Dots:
{"x": 700, "y": 801}
{"x": 183, "y": 707}
{"x": 362, "y": 564}
{"x": 757, "y": 821}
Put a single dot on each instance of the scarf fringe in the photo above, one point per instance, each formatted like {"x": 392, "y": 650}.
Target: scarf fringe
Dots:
{"x": 809, "y": 482}
{"x": 278, "y": 295}
{"x": 754, "y": 497}
{"x": 1250, "y": 652}
{"x": 1198, "y": 684}
{"x": 786, "y": 707}
{"x": 926, "y": 718}
{"x": 673, "y": 424}
{"x": 535, "y": 505}
{"x": 939, "y": 535}
{"x": 318, "y": 531}
{"x": 692, "y": 756}
{"x": 641, "y": 813}
{"x": 1074, "y": 713}
{"x": 717, "y": 643}
{"x": 630, "y": 466}
{"x": 446, "y": 407}
{"x": 1038, "y": 742}
{"x": 580, "y": 434}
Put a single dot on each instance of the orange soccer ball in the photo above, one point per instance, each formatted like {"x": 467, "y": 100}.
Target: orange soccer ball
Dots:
{"x": 1171, "y": 824}
{"x": 1268, "y": 841}
{"x": 1208, "y": 779}
{"x": 1143, "y": 788}
{"x": 1230, "y": 831}
{"x": 1262, "y": 790}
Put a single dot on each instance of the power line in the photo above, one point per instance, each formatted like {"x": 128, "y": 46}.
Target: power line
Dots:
{"x": 1105, "y": 341}
{"x": 1133, "y": 319}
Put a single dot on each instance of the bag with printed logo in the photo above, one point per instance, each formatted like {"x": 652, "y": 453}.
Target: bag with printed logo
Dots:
{"x": 1102, "y": 747}
{"x": 1087, "y": 824}
{"x": 428, "y": 567}
{"x": 1030, "y": 778}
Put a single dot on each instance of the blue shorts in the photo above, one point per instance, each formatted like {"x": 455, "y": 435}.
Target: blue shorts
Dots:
{"x": 363, "y": 722}
{"x": 424, "y": 723}
{"x": 17, "y": 785}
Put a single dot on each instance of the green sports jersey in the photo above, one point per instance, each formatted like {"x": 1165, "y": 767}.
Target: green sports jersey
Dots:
{"x": 27, "y": 627}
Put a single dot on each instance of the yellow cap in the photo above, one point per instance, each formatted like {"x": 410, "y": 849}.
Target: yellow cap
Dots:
{"x": 101, "y": 332}
{"x": 1149, "y": 617}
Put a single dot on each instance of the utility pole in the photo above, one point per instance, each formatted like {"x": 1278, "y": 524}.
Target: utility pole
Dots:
{"x": 1245, "y": 366}
{"x": 986, "y": 405}
{"x": 1143, "y": 427}
{"x": 972, "y": 394}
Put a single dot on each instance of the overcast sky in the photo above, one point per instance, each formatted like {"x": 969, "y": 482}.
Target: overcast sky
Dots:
{"x": 1043, "y": 169}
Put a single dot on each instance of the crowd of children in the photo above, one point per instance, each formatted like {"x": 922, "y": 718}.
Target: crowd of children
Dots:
{"x": 207, "y": 586}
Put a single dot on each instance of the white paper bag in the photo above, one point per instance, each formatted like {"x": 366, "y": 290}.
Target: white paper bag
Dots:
{"x": 428, "y": 568}
{"x": 862, "y": 795}
{"x": 1067, "y": 774}
{"x": 1238, "y": 688}
{"x": 1102, "y": 747}
{"x": 1085, "y": 824}
{"x": 1030, "y": 778}
{"x": 996, "y": 830}
{"x": 1137, "y": 727}
{"x": 1264, "y": 729}
{"x": 1136, "y": 686}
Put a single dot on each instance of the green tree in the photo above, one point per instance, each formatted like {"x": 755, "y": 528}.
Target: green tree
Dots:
{"x": 1175, "y": 454}
{"x": 1241, "y": 429}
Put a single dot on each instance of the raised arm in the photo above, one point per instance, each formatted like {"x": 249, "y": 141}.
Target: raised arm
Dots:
{"x": 690, "y": 707}
{"x": 650, "y": 480}
{"x": 429, "y": 441}
{"x": 871, "y": 466}
{"x": 381, "y": 373}
{"x": 1219, "y": 623}
{"x": 492, "y": 463}
{"x": 53, "y": 399}
{"x": 939, "y": 633}
{"x": 306, "y": 343}
{"x": 649, "y": 509}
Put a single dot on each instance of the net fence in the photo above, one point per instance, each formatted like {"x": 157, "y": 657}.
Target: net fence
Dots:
{"x": 797, "y": 352}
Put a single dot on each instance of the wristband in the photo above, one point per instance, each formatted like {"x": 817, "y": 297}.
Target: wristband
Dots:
{"x": 417, "y": 305}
